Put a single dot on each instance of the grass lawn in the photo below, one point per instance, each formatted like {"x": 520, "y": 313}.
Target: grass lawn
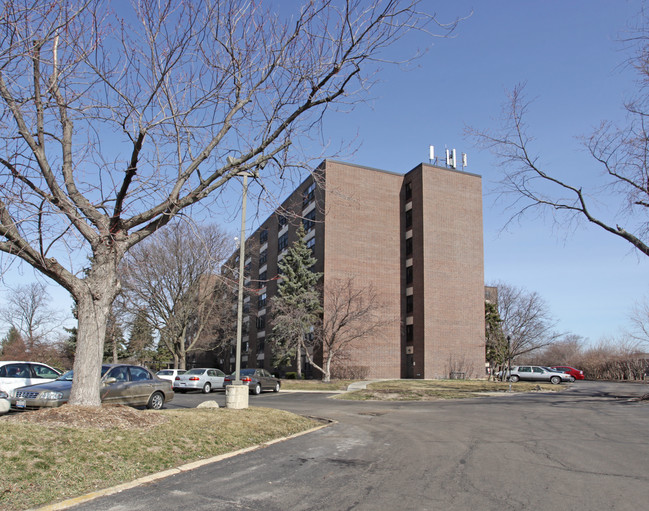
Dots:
{"x": 423, "y": 390}
{"x": 45, "y": 462}
{"x": 334, "y": 385}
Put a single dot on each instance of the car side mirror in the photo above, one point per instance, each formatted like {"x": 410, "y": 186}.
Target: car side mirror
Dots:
{"x": 109, "y": 381}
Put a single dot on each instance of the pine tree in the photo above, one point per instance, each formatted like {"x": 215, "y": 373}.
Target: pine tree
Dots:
{"x": 140, "y": 341}
{"x": 496, "y": 344}
{"x": 13, "y": 345}
{"x": 297, "y": 305}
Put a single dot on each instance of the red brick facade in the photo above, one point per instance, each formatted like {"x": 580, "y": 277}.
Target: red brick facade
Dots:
{"x": 417, "y": 235}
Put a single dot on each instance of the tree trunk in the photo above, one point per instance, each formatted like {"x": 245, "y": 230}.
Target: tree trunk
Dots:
{"x": 92, "y": 317}
{"x": 298, "y": 361}
{"x": 94, "y": 297}
{"x": 182, "y": 355}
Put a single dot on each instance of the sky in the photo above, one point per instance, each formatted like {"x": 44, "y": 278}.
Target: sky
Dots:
{"x": 570, "y": 56}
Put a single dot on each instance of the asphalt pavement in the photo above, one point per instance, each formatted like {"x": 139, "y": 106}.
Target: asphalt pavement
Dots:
{"x": 586, "y": 448}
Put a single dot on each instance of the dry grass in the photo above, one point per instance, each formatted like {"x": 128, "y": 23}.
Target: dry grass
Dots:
{"x": 428, "y": 390}
{"x": 313, "y": 385}
{"x": 51, "y": 455}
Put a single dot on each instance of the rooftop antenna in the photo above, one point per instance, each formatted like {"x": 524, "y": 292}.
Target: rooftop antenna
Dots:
{"x": 464, "y": 161}
{"x": 431, "y": 156}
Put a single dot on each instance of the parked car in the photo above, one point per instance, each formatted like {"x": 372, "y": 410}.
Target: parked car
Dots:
{"x": 120, "y": 384}
{"x": 575, "y": 373}
{"x": 14, "y": 374}
{"x": 204, "y": 378}
{"x": 257, "y": 380}
{"x": 5, "y": 404}
{"x": 170, "y": 374}
{"x": 537, "y": 373}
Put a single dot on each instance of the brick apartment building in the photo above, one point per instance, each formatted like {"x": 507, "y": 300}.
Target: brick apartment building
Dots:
{"x": 416, "y": 238}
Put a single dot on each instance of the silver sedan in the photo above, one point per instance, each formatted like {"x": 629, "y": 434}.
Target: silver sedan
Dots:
{"x": 205, "y": 379}
{"x": 537, "y": 373}
{"x": 120, "y": 384}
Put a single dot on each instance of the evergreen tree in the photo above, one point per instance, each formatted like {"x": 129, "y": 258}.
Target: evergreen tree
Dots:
{"x": 495, "y": 343}
{"x": 13, "y": 345}
{"x": 297, "y": 305}
{"x": 140, "y": 342}
{"x": 114, "y": 345}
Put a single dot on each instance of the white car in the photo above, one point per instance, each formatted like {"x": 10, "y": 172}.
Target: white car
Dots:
{"x": 205, "y": 379}
{"x": 169, "y": 374}
{"x": 14, "y": 374}
{"x": 5, "y": 404}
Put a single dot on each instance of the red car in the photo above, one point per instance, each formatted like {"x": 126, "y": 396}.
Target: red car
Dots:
{"x": 575, "y": 373}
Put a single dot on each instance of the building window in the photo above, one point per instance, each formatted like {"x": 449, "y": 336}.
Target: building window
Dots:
{"x": 262, "y": 278}
{"x": 409, "y": 219}
{"x": 261, "y": 322}
{"x": 282, "y": 242}
{"x": 263, "y": 257}
{"x": 263, "y": 236}
{"x": 311, "y": 244}
{"x": 409, "y": 304}
{"x": 309, "y": 194}
{"x": 261, "y": 301}
{"x": 408, "y": 191}
{"x": 409, "y": 275}
{"x": 282, "y": 221}
{"x": 409, "y": 333}
{"x": 309, "y": 220}
{"x": 409, "y": 246}
{"x": 261, "y": 344}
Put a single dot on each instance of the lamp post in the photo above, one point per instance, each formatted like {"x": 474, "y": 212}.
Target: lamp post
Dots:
{"x": 237, "y": 393}
{"x": 509, "y": 360}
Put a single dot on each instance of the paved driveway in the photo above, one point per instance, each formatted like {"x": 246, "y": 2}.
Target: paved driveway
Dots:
{"x": 585, "y": 448}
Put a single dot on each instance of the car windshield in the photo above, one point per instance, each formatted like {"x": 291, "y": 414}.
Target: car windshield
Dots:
{"x": 68, "y": 376}
{"x": 195, "y": 371}
{"x": 554, "y": 370}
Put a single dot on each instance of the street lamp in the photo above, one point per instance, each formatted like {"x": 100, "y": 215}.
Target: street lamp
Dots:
{"x": 242, "y": 256}
{"x": 509, "y": 360}
{"x": 237, "y": 393}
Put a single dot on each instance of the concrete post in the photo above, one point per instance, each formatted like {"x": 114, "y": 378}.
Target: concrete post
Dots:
{"x": 236, "y": 396}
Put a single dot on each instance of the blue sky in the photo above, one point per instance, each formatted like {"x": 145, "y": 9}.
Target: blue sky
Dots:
{"x": 569, "y": 54}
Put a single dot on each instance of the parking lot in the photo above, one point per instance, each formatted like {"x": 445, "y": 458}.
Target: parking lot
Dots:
{"x": 584, "y": 448}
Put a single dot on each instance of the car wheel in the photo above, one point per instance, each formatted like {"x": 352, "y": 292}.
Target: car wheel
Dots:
{"x": 555, "y": 380}
{"x": 513, "y": 378}
{"x": 207, "y": 388}
{"x": 276, "y": 389}
{"x": 156, "y": 401}
{"x": 572, "y": 379}
{"x": 257, "y": 390}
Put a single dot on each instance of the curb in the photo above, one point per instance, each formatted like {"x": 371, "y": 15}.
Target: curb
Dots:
{"x": 65, "y": 504}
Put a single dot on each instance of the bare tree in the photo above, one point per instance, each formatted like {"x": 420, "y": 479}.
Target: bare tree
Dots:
{"x": 526, "y": 320}
{"x": 565, "y": 351}
{"x": 27, "y": 310}
{"x": 620, "y": 155}
{"x": 640, "y": 321}
{"x": 113, "y": 123}
{"x": 352, "y": 313}
{"x": 172, "y": 279}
